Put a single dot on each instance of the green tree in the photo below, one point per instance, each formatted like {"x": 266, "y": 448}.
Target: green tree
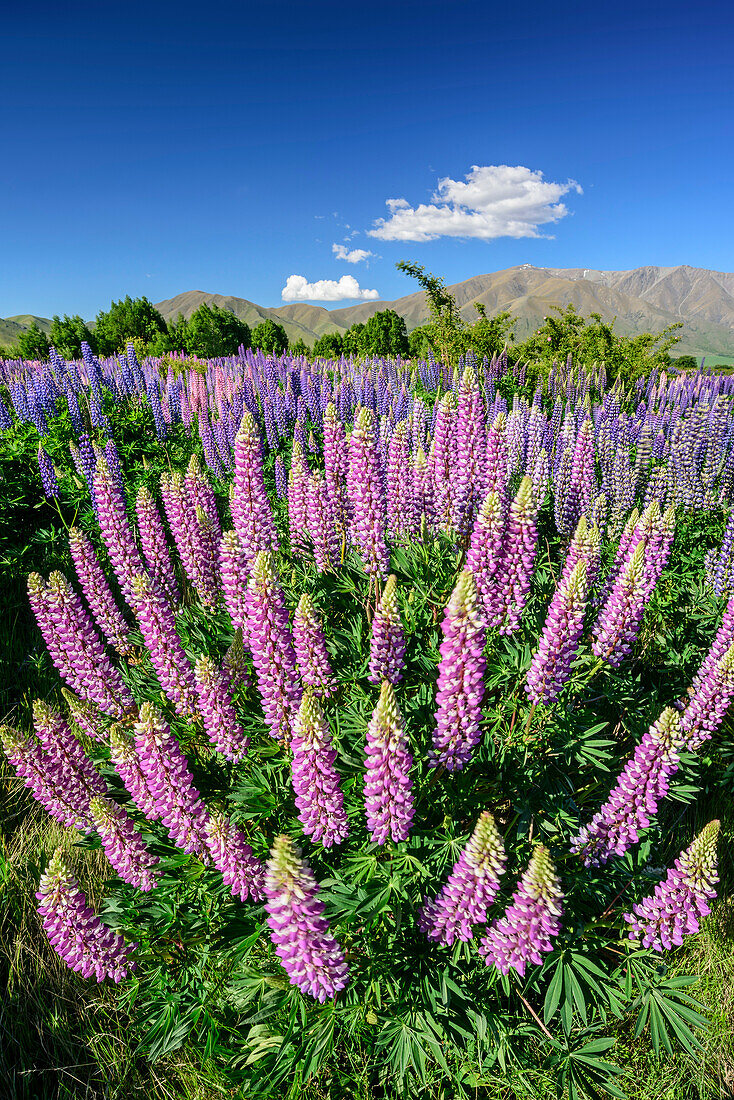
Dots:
{"x": 686, "y": 362}
{"x": 67, "y": 334}
{"x": 212, "y": 331}
{"x": 270, "y": 337}
{"x": 33, "y": 343}
{"x": 446, "y": 328}
{"x": 490, "y": 335}
{"x": 128, "y": 319}
{"x": 329, "y": 346}
{"x": 419, "y": 342}
{"x": 299, "y": 348}
{"x": 353, "y": 340}
{"x": 385, "y": 334}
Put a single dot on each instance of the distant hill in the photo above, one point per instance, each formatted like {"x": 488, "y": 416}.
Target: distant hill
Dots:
{"x": 645, "y": 299}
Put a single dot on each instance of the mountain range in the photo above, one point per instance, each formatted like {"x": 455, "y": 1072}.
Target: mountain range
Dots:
{"x": 645, "y": 299}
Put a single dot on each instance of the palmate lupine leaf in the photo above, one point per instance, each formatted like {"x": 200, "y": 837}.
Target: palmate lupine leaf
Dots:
{"x": 581, "y": 1072}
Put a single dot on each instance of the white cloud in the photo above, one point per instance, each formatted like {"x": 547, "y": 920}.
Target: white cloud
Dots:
{"x": 298, "y": 289}
{"x": 494, "y": 201}
{"x": 355, "y": 256}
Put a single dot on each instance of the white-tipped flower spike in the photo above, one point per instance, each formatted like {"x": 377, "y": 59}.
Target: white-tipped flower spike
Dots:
{"x": 316, "y": 781}
{"x": 388, "y": 790}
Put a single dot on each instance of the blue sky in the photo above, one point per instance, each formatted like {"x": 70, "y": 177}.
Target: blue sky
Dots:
{"x": 229, "y": 147}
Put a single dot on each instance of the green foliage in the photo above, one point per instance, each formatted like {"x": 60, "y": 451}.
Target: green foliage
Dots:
{"x": 128, "y": 319}
{"x": 328, "y": 346}
{"x": 211, "y": 332}
{"x": 446, "y": 328}
{"x": 33, "y": 343}
{"x": 270, "y": 337}
{"x": 490, "y": 336}
{"x": 67, "y": 334}
{"x": 299, "y": 348}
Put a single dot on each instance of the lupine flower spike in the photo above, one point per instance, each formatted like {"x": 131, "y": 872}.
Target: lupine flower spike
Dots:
{"x": 319, "y": 797}
{"x": 387, "y": 645}
{"x": 311, "y": 652}
{"x": 388, "y": 790}
{"x": 123, "y": 844}
{"x": 232, "y": 855}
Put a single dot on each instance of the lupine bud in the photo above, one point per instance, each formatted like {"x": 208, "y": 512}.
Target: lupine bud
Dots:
{"x": 387, "y": 644}
{"x": 269, "y": 636}
{"x": 681, "y": 899}
{"x": 251, "y": 512}
{"x": 388, "y": 790}
{"x": 316, "y": 782}
{"x": 75, "y": 931}
{"x": 166, "y": 770}
{"x": 366, "y": 495}
{"x": 312, "y": 655}
{"x": 531, "y": 921}
{"x": 550, "y": 667}
{"x": 98, "y": 592}
{"x": 311, "y": 956}
{"x": 155, "y": 546}
{"x": 641, "y": 786}
{"x": 232, "y": 855}
{"x": 460, "y": 679}
{"x": 471, "y": 888}
{"x": 87, "y": 718}
{"x": 123, "y": 844}
{"x": 158, "y": 627}
{"x": 217, "y": 711}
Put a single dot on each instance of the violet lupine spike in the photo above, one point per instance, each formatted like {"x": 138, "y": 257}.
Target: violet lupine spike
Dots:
{"x": 298, "y": 482}
{"x": 335, "y": 466}
{"x": 559, "y": 641}
{"x": 123, "y": 845}
{"x": 201, "y": 494}
{"x": 484, "y": 554}
{"x": 62, "y": 796}
{"x": 387, "y": 644}
{"x": 322, "y": 525}
{"x": 634, "y": 799}
{"x": 48, "y": 473}
{"x": 232, "y": 855}
{"x": 217, "y": 712}
{"x": 316, "y": 782}
{"x": 398, "y": 483}
{"x": 158, "y": 627}
{"x": 460, "y": 679}
{"x": 511, "y": 583}
{"x": 65, "y": 750}
{"x": 155, "y": 545}
{"x": 98, "y": 593}
{"x": 531, "y": 921}
{"x": 366, "y": 495}
{"x": 234, "y": 574}
{"x": 312, "y": 655}
{"x": 619, "y": 620}
{"x": 124, "y": 759}
{"x": 443, "y": 461}
{"x": 470, "y": 451}
{"x": 709, "y": 701}
{"x": 75, "y": 931}
{"x": 195, "y": 548}
{"x": 311, "y": 956}
{"x": 74, "y": 645}
{"x": 681, "y": 899}
{"x": 269, "y": 637}
{"x": 495, "y": 464}
{"x": 388, "y": 789}
{"x": 585, "y": 545}
{"x": 471, "y": 889}
{"x": 115, "y": 527}
{"x": 251, "y": 512}
{"x": 166, "y": 770}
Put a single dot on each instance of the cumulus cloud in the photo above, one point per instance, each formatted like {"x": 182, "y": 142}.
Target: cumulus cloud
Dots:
{"x": 496, "y": 200}
{"x": 298, "y": 289}
{"x": 352, "y": 256}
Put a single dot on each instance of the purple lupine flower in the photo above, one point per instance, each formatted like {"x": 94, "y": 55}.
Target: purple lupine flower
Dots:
{"x": 217, "y": 712}
{"x": 321, "y": 524}
{"x": 232, "y": 855}
{"x": 74, "y": 930}
{"x": 311, "y": 956}
{"x": 48, "y": 473}
{"x": 298, "y": 482}
{"x": 166, "y": 770}
{"x": 74, "y": 646}
{"x": 710, "y": 699}
{"x": 558, "y": 644}
{"x": 87, "y": 718}
{"x": 281, "y": 479}
{"x": 443, "y": 461}
{"x": 511, "y": 583}
{"x": 422, "y": 495}
{"x": 269, "y": 637}
{"x": 155, "y": 546}
{"x": 194, "y": 541}
{"x": 634, "y": 799}
{"x": 471, "y": 888}
{"x": 531, "y": 921}
{"x": 316, "y": 782}
{"x": 59, "y": 789}
{"x": 124, "y": 759}
{"x": 388, "y": 790}
{"x": 312, "y": 655}
{"x": 251, "y": 512}
{"x": 619, "y": 620}
{"x": 123, "y": 844}
{"x": 98, "y": 592}
{"x": 681, "y": 899}
{"x": 484, "y": 554}
{"x": 114, "y": 526}
{"x": 201, "y": 495}
{"x": 470, "y": 451}
{"x": 585, "y": 545}
{"x": 366, "y": 495}
{"x": 460, "y": 679}
{"x": 336, "y": 462}
{"x": 387, "y": 644}
{"x": 234, "y": 573}
{"x": 398, "y": 483}
{"x": 496, "y": 461}
{"x": 158, "y": 627}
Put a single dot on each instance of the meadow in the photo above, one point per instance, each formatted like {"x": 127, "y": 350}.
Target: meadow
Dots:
{"x": 365, "y": 729}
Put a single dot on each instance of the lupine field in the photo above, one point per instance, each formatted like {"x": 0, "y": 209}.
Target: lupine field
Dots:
{"x": 369, "y": 721}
